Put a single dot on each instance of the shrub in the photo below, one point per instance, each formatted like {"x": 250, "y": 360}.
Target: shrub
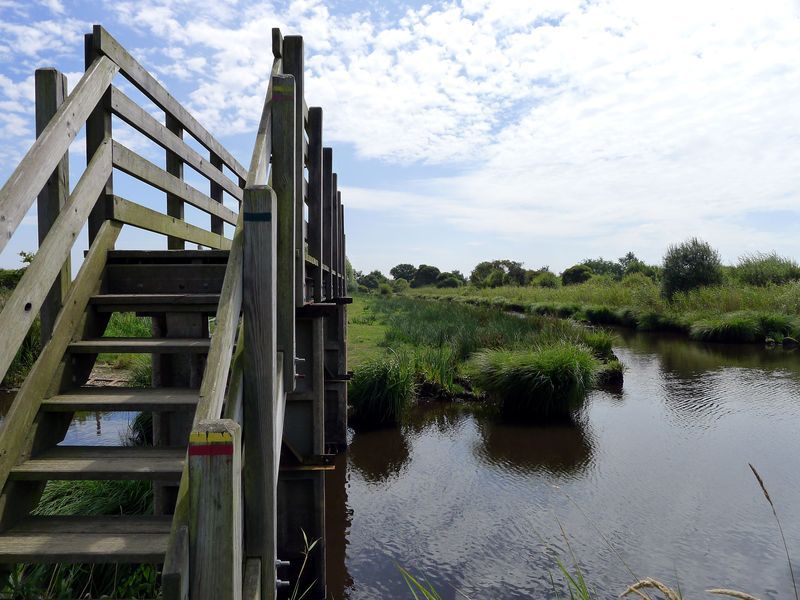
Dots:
{"x": 400, "y": 286}
{"x": 543, "y": 383}
{"x": 576, "y": 274}
{"x": 496, "y": 278}
{"x": 611, "y": 373}
{"x": 448, "y": 280}
{"x": 425, "y": 275}
{"x": 381, "y": 391}
{"x": 385, "y": 289}
{"x": 762, "y": 269}
{"x": 690, "y": 265}
{"x": 545, "y": 279}
{"x": 9, "y": 278}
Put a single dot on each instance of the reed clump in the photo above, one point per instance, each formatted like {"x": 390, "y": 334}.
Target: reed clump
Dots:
{"x": 381, "y": 391}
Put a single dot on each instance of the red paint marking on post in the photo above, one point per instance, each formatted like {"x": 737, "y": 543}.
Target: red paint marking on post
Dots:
{"x": 211, "y": 450}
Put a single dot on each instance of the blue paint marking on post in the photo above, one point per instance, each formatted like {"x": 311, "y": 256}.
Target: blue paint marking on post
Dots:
{"x": 258, "y": 216}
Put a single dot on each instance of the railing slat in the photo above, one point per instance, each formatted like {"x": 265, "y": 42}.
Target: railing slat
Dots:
{"x": 22, "y": 307}
{"x": 138, "y": 118}
{"x": 142, "y": 217}
{"x": 262, "y": 149}
{"x": 129, "y": 162}
{"x": 151, "y": 88}
{"x": 32, "y": 173}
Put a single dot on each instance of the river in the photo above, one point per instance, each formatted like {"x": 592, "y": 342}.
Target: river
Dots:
{"x": 654, "y": 477}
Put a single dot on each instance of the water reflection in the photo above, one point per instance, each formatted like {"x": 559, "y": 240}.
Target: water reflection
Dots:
{"x": 563, "y": 449}
{"x": 378, "y": 455}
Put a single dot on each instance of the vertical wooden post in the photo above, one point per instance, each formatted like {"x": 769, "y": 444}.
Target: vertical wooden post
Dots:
{"x": 293, "y": 65}
{"x": 335, "y": 236}
{"x": 344, "y": 258}
{"x": 174, "y": 166}
{"x": 51, "y": 89}
{"x": 217, "y": 224}
{"x": 215, "y": 532}
{"x": 283, "y": 182}
{"x": 98, "y": 128}
{"x": 315, "y": 217}
{"x": 340, "y": 240}
{"x": 327, "y": 218}
{"x": 261, "y": 423}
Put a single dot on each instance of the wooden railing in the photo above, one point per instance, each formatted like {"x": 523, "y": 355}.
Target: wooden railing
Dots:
{"x": 278, "y": 262}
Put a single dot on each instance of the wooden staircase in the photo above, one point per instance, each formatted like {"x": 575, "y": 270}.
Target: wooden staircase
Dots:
{"x": 153, "y": 284}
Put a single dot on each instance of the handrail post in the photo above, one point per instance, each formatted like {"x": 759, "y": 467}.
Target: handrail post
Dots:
{"x": 315, "y": 218}
{"x": 293, "y": 65}
{"x": 215, "y": 523}
{"x": 284, "y": 166}
{"x": 215, "y": 192}
{"x": 51, "y": 90}
{"x": 262, "y": 424}
{"x": 335, "y": 234}
{"x": 174, "y": 166}
{"x": 327, "y": 219}
{"x": 98, "y": 128}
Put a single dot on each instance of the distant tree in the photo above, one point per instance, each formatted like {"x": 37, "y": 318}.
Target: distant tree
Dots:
{"x": 448, "y": 280}
{"x": 690, "y": 265}
{"x": 372, "y": 280}
{"x": 385, "y": 289}
{"x": 601, "y": 266}
{"x": 350, "y": 275}
{"x": 425, "y": 275}
{"x": 400, "y": 285}
{"x": 403, "y": 271}
{"x": 459, "y": 275}
{"x": 576, "y": 274}
{"x": 496, "y": 278}
{"x": 545, "y": 279}
{"x": 511, "y": 273}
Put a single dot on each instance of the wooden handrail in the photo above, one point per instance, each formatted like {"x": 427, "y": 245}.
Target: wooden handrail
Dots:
{"x": 150, "y": 87}
{"x": 22, "y": 307}
{"x": 32, "y": 173}
{"x": 262, "y": 149}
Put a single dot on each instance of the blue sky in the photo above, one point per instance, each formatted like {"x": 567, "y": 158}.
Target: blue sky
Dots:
{"x": 544, "y": 131}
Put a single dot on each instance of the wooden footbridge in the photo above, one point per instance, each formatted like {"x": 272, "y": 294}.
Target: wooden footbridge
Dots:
{"x": 249, "y": 363}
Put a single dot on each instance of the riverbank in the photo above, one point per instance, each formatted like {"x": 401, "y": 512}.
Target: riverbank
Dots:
{"x": 732, "y": 312}
{"x": 407, "y": 348}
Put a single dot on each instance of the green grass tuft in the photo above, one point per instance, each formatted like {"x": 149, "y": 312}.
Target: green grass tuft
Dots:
{"x": 381, "y": 391}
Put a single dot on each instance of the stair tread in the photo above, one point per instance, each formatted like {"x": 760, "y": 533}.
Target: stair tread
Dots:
{"x": 100, "y": 539}
{"x": 122, "y": 399}
{"x": 155, "y": 299}
{"x": 141, "y": 345}
{"x": 103, "y": 462}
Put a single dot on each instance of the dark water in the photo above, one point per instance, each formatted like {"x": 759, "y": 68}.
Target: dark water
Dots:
{"x": 657, "y": 471}
{"x": 87, "y": 429}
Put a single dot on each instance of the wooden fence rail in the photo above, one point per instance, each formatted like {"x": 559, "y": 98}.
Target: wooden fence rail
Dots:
{"x": 273, "y": 384}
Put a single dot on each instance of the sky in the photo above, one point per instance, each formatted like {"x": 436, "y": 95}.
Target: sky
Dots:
{"x": 545, "y": 131}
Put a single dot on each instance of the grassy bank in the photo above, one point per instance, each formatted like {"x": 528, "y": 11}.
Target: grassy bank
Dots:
{"x": 732, "y": 312}
{"x": 454, "y": 351}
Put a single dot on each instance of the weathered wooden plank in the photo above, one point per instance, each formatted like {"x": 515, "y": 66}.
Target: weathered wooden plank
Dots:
{"x": 283, "y": 182}
{"x": 293, "y": 64}
{"x": 315, "y": 209}
{"x": 136, "y": 166}
{"x": 98, "y": 129}
{"x": 175, "y": 574}
{"x": 140, "y": 539}
{"x": 168, "y": 256}
{"x": 115, "y": 399}
{"x": 51, "y": 90}
{"x": 327, "y": 219}
{"x": 21, "y": 308}
{"x": 140, "y": 346}
{"x": 147, "y": 84}
{"x": 102, "y": 463}
{"x": 335, "y": 235}
{"x": 174, "y": 166}
{"x": 151, "y": 220}
{"x": 262, "y": 149}
{"x": 19, "y": 419}
{"x": 140, "y": 119}
{"x": 277, "y": 42}
{"x": 165, "y": 278}
{"x": 215, "y": 530}
{"x": 215, "y": 191}
{"x": 260, "y": 366}
{"x": 20, "y": 190}
{"x": 251, "y": 586}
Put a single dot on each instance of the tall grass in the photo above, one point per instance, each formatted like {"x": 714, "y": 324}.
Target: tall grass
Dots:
{"x": 763, "y": 269}
{"x": 547, "y": 382}
{"x": 381, "y": 391}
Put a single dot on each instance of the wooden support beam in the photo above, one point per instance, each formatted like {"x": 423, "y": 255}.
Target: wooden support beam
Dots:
{"x": 335, "y": 235}
{"x": 30, "y": 176}
{"x": 293, "y": 65}
{"x": 174, "y": 166}
{"x": 22, "y": 306}
{"x": 151, "y": 220}
{"x": 215, "y": 191}
{"x": 215, "y": 530}
{"x": 340, "y": 266}
{"x": 175, "y": 575}
{"x": 283, "y": 182}
{"x": 251, "y": 587}
{"x": 315, "y": 211}
{"x": 261, "y": 417}
{"x": 51, "y": 90}
{"x": 327, "y": 219}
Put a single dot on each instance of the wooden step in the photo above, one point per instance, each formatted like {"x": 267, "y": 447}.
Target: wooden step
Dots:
{"x": 103, "y": 462}
{"x": 114, "y": 399}
{"x": 167, "y": 278}
{"x": 141, "y": 346}
{"x": 155, "y": 303}
{"x": 141, "y": 539}
{"x": 167, "y": 256}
